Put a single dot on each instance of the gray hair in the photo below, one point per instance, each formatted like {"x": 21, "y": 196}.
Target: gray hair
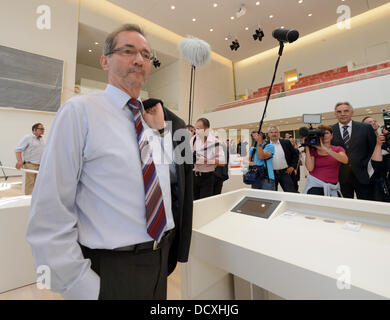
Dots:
{"x": 341, "y": 103}
{"x": 110, "y": 42}
{"x": 273, "y": 127}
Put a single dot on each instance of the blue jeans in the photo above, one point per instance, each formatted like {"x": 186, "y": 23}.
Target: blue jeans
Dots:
{"x": 264, "y": 184}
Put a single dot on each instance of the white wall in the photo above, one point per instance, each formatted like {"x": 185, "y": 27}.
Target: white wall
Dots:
{"x": 19, "y": 30}
{"x": 364, "y": 93}
{"x": 213, "y": 86}
{"x": 366, "y": 42}
{"x": 165, "y": 85}
{"x": 87, "y": 72}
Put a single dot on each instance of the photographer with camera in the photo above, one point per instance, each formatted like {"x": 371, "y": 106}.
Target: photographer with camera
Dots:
{"x": 263, "y": 161}
{"x": 380, "y": 161}
{"x": 323, "y": 163}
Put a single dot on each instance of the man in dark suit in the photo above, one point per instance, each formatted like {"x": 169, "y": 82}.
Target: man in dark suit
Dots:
{"x": 358, "y": 140}
{"x": 284, "y": 161}
{"x": 112, "y": 221}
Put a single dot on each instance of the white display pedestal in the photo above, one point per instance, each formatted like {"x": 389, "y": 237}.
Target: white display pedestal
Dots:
{"x": 16, "y": 261}
{"x": 304, "y": 250}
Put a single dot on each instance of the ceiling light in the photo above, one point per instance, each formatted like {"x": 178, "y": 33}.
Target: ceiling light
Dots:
{"x": 282, "y": 27}
{"x": 89, "y": 50}
{"x": 300, "y": 1}
{"x": 231, "y": 18}
{"x": 271, "y": 16}
{"x": 173, "y": 7}
{"x": 257, "y": 3}
{"x": 211, "y": 30}
{"x": 292, "y": 79}
{"x": 310, "y": 14}
{"x": 246, "y": 28}
{"x": 193, "y": 19}
{"x": 226, "y": 39}
{"x": 215, "y": 5}
{"x": 96, "y": 43}
{"x": 259, "y": 34}
{"x": 235, "y": 45}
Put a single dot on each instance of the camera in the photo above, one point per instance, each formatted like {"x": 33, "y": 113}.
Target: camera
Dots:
{"x": 386, "y": 126}
{"x": 312, "y": 136}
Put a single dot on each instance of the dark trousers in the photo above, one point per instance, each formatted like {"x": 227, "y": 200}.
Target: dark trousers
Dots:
{"x": 203, "y": 185}
{"x": 131, "y": 275}
{"x": 295, "y": 178}
{"x": 349, "y": 184}
{"x": 218, "y": 183}
{"x": 285, "y": 181}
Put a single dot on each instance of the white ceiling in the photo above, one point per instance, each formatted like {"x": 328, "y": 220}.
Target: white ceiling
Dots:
{"x": 287, "y": 13}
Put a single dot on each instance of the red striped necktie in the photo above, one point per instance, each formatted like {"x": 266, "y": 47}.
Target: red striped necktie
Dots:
{"x": 155, "y": 211}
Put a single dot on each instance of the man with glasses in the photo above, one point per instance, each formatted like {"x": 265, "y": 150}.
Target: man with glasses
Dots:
{"x": 110, "y": 219}
{"x": 28, "y": 154}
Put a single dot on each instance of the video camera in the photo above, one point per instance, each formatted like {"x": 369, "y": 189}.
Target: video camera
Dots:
{"x": 312, "y": 136}
{"x": 386, "y": 120}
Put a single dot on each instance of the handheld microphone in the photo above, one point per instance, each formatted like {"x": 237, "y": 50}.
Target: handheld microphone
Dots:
{"x": 285, "y": 35}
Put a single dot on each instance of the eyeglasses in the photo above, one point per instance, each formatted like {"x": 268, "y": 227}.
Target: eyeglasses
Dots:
{"x": 131, "y": 51}
{"x": 40, "y": 128}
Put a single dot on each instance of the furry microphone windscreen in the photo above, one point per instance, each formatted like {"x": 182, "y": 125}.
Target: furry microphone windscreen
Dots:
{"x": 196, "y": 51}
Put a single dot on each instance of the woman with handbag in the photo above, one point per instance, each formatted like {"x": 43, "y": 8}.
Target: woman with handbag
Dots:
{"x": 262, "y": 161}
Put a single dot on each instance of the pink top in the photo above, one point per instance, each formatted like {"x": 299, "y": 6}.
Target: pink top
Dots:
{"x": 326, "y": 168}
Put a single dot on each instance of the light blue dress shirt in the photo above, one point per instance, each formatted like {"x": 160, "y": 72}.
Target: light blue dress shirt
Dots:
{"x": 31, "y": 148}
{"x": 90, "y": 189}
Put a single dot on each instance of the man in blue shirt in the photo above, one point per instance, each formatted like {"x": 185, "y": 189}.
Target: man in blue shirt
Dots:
{"x": 263, "y": 159}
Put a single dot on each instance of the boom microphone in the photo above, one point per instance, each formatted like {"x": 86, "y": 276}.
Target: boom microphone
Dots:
{"x": 285, "y": 35}
{"x": 196, "y": 51}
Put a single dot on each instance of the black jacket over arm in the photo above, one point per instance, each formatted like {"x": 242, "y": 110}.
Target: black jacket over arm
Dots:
{"x": 182, "y": 194}
{"x": 291, "y": 155}
{"x": 361, "y": 147}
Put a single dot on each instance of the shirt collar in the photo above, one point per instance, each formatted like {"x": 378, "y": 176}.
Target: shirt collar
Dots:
{"x": 119, "y": 97}
{"x": 343, "y": 125}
